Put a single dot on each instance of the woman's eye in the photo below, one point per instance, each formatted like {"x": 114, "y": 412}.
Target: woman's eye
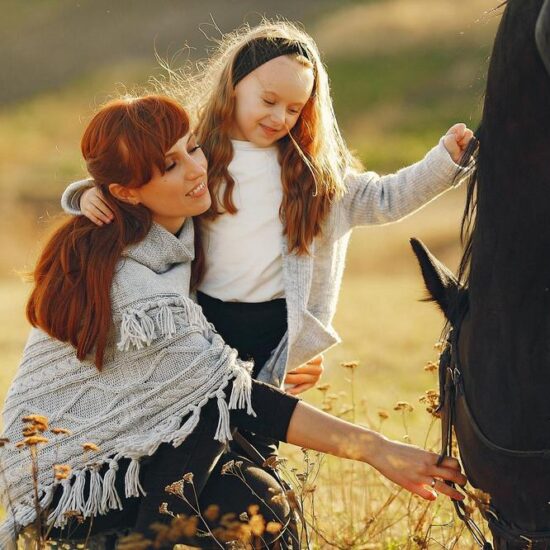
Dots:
{"x": 170, "y": 167}
{"x": 293, "y": 111}
{"x": 193, "y": 149}
{"x": 269, "y": 102}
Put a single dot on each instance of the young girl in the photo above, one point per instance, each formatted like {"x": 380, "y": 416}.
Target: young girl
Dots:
{"x": 126, "y": 363}
{"x": 286, "y": 193}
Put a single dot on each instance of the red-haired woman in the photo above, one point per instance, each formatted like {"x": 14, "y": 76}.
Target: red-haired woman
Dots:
{"x": 123, "y": 359}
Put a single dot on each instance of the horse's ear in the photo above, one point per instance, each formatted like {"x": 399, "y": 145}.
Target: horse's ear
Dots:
{"x": 542, "y": 34}
{"x": 442, "y": 285}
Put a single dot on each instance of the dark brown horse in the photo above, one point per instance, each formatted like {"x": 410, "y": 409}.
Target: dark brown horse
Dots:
{"x": 497, "y": 364}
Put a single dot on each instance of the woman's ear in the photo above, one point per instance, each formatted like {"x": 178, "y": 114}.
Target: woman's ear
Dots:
{"x": 123, "y": 193}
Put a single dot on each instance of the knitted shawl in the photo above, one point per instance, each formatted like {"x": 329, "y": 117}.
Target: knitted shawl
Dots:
{"x": 163, "y": 362}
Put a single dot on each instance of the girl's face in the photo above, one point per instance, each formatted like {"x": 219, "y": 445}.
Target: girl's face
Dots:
{"x": 269, "y": 100}
{"x": 180, "y": 192}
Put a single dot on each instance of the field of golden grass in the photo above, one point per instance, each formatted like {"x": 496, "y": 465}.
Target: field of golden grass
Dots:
{"x": 402, "y": 72}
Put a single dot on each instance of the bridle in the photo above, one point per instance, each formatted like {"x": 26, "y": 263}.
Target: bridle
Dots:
{"x": 451, "y": 386}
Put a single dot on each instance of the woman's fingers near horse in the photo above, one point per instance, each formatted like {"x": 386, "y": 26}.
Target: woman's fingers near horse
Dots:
{"x": 439, "y": 486}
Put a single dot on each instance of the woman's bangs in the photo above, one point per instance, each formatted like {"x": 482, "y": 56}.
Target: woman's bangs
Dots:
{"x": 155, "y": 124}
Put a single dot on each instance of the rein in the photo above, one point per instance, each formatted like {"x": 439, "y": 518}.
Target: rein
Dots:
{"x": 450, "y": 382}
{"x": 450, "y": 387}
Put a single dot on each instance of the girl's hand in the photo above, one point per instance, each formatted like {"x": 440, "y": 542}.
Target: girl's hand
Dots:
{"x": 415, "y": 470}
{"x": 305, "y": 376}
{"x": 94, "y": 207}
{"x": 456, "y": 140}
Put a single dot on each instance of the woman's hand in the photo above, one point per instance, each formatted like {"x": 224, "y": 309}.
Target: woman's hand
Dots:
{"x": 94, "y": 207}
{"x": 416, "y": 470}
{"x": 456, "y": 140}
{"x": 305, "y": 376}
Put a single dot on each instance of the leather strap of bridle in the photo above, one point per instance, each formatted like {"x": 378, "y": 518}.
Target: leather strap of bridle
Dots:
{"x": 448, "y": 381}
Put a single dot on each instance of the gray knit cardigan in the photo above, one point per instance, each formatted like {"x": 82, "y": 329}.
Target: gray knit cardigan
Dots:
{"x": 312, "y": 282}
{"x": 163, "y": 362}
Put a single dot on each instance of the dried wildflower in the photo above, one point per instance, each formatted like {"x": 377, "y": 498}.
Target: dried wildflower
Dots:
{"x": 308, "y": 488}
{"x": 74, "y": 514}
{"x": 351, "y": 365}
{"x": 20, "y": 444}
{"x": 175, "y": 488}
{"x": 323, "y": 387}
{"x": 163, "y": 509}
{"x": 29, "y": 430}
{"x": 188, "y": 477}
{"x": 243, "y": 516}
{"x": 431, "y": 366}
{"x": 183, "y": 526}
{"x": 228, "y": 467}
{"x": 38, "y": 421}
{"x": 327, "y": 407}
{"x": 383, "y": 415}
{"x": 274, "y": 462}
{"x": 212, "y": 513}
{"x": 3, "y": 441}
{"x": 60, "y": 431}
{"x": 90, "y": 447}
{"x": 257, "y": 525}
{"x": 62, "y": 471}
{"x": 34, "y": 440}
{"x": 439, "y": 345}
{"x": 253, "y": 509}
{"x": 273, "y": 527}
{"x": 403, "y": 406}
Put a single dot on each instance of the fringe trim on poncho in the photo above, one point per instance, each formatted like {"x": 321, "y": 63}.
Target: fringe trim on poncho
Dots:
{"x": 138, "y": 329}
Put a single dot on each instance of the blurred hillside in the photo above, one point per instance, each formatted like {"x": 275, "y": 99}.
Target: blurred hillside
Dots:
{"x": 47, "y": 44}
{"x": 402, "y": 71}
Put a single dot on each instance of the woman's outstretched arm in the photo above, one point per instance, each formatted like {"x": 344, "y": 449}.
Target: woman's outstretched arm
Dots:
{"x": 286, "y": 418}
{"x": 411, "y": 467}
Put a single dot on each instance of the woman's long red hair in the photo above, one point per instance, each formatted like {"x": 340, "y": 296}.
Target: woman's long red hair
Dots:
{"x": 72, "y": 279}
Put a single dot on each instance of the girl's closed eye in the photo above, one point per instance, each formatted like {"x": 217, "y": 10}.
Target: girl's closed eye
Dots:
{"x": 195, "y": 148}
{"x": 171, "y": 166}
{"x": 268, "y": 102}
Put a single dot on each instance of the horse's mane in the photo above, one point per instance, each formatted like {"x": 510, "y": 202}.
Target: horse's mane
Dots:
{"x": 483, "y": 151}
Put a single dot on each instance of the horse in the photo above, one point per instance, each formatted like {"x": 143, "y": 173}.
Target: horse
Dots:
{"x": 495, "y": 368}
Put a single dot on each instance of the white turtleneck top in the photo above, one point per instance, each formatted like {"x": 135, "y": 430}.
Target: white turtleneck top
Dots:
{"x": 243, "y": 250}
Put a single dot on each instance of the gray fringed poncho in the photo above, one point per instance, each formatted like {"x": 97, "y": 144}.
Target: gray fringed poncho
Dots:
{"x": 164, "y": 361}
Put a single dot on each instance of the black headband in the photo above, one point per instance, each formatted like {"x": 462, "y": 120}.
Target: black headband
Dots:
{"x": 261, "y": 50}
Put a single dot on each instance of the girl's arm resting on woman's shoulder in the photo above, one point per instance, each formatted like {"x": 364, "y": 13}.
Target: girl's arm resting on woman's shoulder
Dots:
{"x": 70, "y": 200}
{"x": 372, "y": 199}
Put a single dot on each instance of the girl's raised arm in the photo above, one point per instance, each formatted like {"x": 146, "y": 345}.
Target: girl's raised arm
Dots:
{"x": 373, "y": 199}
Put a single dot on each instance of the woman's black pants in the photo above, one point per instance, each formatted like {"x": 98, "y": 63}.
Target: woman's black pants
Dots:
{"x": 200, "y": 454}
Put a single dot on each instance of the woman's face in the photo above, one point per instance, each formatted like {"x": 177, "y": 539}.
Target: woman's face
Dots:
{"x": 180, "y": 192}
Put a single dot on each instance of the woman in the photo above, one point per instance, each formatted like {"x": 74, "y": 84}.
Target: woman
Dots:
{"x": 122, "y": 358}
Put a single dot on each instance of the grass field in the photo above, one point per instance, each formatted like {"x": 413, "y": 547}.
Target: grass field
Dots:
{"x": 402, "y": 72}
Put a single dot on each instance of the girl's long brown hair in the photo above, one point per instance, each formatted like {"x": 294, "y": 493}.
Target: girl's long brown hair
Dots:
{"x": 72, "y": 279}
{"x": 313, "y": 156}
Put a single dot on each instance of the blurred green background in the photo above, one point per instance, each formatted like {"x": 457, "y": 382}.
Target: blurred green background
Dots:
{"x": 402, "y": 72}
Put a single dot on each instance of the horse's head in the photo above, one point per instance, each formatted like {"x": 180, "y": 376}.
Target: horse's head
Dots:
{"x": 443, "y": 287}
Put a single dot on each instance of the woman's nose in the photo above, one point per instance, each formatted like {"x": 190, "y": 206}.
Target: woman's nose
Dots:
{"x": 194, "y": 168}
